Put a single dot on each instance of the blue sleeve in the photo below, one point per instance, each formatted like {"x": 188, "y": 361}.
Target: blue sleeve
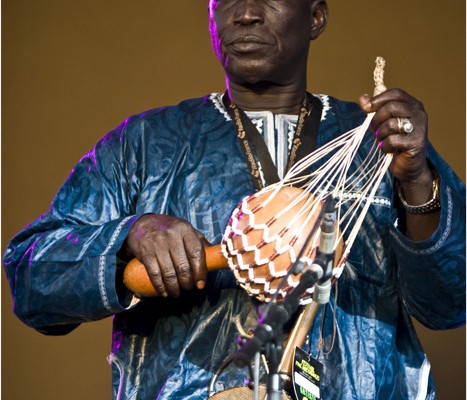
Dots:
{"x": 62, "y": 267}
{"x": 431, "y": 273}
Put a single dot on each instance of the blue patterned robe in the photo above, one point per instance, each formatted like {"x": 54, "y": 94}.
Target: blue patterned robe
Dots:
{"x": 185, "y": 161}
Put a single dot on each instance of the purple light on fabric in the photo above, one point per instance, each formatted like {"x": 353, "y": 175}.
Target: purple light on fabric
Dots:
{"x": 72, "y": 237}
{"x": 71, "y": 173}
{"x": 30, "y": 252}
{"x": 116, "y": 341}
{"x": 122, "y": 129}
{"x": 91, "y": 155}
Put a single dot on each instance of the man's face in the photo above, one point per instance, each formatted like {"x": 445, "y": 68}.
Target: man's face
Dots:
{"x": 261, "y": 40}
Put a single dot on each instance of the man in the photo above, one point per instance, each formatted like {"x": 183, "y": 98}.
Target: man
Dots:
{"x": 131, "y": 197}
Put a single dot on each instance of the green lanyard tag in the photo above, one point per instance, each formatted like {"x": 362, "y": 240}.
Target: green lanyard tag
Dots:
{"x": 306, "y": 376}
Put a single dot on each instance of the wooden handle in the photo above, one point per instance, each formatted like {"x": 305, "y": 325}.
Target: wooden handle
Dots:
{"x": 297, "y": 337}
{"x": 136, "y": 278}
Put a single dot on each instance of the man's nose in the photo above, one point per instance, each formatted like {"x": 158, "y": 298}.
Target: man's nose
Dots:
{"x": 248, "y": 12}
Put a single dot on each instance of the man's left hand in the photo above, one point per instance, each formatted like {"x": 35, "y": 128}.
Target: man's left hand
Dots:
{"x": 409, "y": 165}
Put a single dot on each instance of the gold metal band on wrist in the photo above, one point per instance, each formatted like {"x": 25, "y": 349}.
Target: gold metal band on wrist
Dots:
{"x": 430, "y": 206}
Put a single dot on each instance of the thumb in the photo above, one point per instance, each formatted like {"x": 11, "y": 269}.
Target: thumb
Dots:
{"x": 365, "y": 102}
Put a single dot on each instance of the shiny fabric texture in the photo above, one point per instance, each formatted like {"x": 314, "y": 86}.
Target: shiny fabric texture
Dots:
{"x": 185, "y": 161}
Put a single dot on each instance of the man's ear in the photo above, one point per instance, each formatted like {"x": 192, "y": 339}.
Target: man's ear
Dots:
{"x": 319, "y": 18}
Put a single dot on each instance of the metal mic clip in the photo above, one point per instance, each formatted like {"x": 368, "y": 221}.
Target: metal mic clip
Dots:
{"x": 325, "y": 254}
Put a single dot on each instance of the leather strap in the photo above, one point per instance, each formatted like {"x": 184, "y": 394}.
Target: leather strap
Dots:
{"x": 252, "y": 142}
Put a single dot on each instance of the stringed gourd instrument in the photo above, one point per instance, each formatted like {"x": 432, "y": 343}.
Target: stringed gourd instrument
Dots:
{"x": 268, "y": 229}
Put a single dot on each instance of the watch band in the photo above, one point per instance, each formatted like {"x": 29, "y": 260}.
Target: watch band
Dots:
{"x": 430, "y": 206}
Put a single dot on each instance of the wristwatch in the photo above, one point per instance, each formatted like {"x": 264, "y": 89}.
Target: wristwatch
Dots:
{"x": 430, "y": 206}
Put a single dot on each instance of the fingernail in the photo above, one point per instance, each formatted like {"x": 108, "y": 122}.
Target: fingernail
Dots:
{"x": 200, "y": 284}
{"x": 381, "y": 144}
{"x": 377, "y": 133}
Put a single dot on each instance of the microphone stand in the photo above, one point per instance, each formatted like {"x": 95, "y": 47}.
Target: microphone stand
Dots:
{"x": 266, "y": 338}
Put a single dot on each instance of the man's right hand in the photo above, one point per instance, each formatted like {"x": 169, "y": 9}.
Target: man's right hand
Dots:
{"x": 171, "y": 250}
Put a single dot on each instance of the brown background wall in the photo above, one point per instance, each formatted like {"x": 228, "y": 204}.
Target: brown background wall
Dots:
{"x": 72, "y": 70}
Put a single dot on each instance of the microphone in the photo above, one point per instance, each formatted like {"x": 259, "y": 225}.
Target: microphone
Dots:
{"x": 319, "y": 274}
{"x": 325, "y": 253}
